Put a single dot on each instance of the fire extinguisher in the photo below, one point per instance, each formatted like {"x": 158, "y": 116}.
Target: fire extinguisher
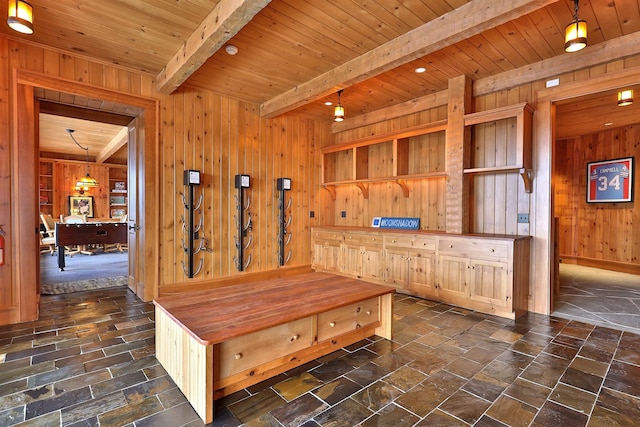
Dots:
{"x": 2, "y": 234}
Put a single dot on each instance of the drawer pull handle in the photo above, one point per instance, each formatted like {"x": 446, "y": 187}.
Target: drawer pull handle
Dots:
{"x": 295, "y": 337}
{"x": 332, "y": 324}
{"x": 450, "y": 246}
{"x": 493, "y": 250}
{"x": 368, "y": 312}
{"x": 238, "y": 356}
{"x": 358, "y": 326}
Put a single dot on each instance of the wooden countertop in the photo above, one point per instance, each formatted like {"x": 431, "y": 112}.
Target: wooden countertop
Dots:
{"x": 214, "y": 316}
{"x": 369, "y": 230}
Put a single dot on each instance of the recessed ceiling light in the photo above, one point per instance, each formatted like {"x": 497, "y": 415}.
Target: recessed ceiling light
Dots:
{"x": 420, "y": 70}
{"x": 609, "y": 124}
{"x": 231, "y": 49}
{"x": 328, "y": 103}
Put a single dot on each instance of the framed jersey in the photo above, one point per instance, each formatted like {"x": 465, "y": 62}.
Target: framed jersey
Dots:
{"x": 610, "y": 181}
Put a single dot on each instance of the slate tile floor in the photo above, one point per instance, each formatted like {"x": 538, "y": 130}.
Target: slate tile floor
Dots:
{"x": 599, "y": 297}
{"x": 89, "y": 361}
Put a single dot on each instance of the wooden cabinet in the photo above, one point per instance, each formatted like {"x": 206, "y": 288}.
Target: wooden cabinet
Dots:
{"x": 118, "y": 200}
{"x": 363, "y": 257}
{"x": 46, "y": 187}
{"x": 486, "y": 273}
{"x": 327, "y": 251}
{"x": 346, "y": 319}
{"x": 416, "y": 153}
{"x": 410, "y": 264}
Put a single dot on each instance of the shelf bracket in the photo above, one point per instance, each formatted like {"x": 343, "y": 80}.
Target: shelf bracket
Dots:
{"x": 405, "y": 188}
{"x": 364, "y": 188}
{"x": 331, "y": 189}
{"x": 526, "y": 178}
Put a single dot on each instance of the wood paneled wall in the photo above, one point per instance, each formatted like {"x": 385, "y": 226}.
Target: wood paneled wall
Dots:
{"x": 65, "y": 176}
{"x": 426, "y": 197}
{"x": 198, "y": 130}
{"x": 604, "y": 234}
{"x": 222, "y": 138}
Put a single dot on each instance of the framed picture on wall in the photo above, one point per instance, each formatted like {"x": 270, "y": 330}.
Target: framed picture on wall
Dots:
{"x": 81, "y": 205}
{"x": 610, "y": 181}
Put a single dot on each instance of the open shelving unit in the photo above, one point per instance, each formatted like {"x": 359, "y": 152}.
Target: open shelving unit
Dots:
{"x": 501, "y": 141}
{"x": 415, "y": 153}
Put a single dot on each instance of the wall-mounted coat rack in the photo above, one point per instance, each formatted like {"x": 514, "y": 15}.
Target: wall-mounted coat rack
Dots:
{"x": 243, "y": 222}
{"x": 284, "y": 236}
{"x": 195, "y": 240}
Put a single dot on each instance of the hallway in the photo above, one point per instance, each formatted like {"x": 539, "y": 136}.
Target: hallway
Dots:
{"x": 89, "y": 360}
{"x": 600, "y": 297}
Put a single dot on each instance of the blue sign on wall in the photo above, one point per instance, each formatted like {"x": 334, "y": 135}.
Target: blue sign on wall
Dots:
{"x": 402, "y": 223}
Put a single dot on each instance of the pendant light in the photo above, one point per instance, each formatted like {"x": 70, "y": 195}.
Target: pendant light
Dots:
{"x": 338, "y": 112}
{"x": 86, "y": 181}
{"x": 20, "y": 16}
{"x": 575, "y": 34}
{"x": 625, "y": 97}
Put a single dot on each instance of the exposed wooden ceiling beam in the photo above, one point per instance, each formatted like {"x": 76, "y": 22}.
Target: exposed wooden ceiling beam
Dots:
{"x": 460, "y": 24}
{"x": 224, "y": 22}
{"x": 601, "y": 53}
{"x": 116, "y": 143}
{"x": 57, "y": 109}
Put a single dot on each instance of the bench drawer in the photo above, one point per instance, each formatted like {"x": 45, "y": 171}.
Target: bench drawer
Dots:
{"x": 249, "y": 351}
{"x": 348, "y": 318}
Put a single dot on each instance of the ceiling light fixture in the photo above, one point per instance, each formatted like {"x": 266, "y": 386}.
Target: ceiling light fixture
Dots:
{"x": 420, "y": 70}
{"x": 86, "y": 181}
{"x": 338, "y": 111}
{"x": 625, "y": 97}
{"x": 575, "y": 34}
{"x": 231, "y": 49}
{"x": 20, "y": 17}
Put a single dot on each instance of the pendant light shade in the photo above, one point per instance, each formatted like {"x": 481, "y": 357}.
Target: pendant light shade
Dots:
{"x": 625, "y": 97}
{"x": 575, "y": 34}
{"x": 338, "y": 111}
{"x": 20, "y": 16}
{"x": 86, "y": 181}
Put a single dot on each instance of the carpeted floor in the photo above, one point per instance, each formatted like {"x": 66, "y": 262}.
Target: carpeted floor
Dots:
{"x": 83, "y": 272}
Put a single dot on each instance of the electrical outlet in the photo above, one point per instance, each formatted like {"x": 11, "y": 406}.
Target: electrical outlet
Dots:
{"x": 343, "y": 214}
{"x": 312, "y": 214}
{"x": 523, "y": 218}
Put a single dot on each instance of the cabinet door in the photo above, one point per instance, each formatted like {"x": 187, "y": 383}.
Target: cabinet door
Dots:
{"x": 452, "y": 283}
{"x": 327, "y": 256}
{"x": 372, "y": 263}
{"x": 397, "y": 268}
{"x": 488, "y": 283}
{"x": 352, "y": 260}
{"x": 422, "y": 273}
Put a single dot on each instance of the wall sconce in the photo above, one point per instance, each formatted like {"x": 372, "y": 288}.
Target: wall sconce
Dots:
{"x": 20, "y": 16}
{"x": 625, "y": 97}
{"x": 575, "y": 34}
{"x": 338, "y": 112}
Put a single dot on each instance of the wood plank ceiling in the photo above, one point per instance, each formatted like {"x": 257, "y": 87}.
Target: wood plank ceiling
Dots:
{"x": 294, "y": 55}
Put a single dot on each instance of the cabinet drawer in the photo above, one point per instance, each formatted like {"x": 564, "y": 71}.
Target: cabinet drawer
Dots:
{"x": 322, "y": 236}
{"x": 348, "y": 318}
{"x": 399, "y": 241}
{"x": 425, "y": 243}
{"x": 362, "y": 239}
{"x": 249, "y": 351}
{"x": 473, "y": 248}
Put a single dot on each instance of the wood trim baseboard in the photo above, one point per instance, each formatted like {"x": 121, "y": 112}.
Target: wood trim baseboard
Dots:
{"x": 621, "y": 267}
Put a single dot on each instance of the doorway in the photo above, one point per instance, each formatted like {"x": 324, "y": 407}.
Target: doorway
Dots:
{"x": 80, "y": 137}
{"x": 596, "y": 277}
{"x": 145, "y": 221}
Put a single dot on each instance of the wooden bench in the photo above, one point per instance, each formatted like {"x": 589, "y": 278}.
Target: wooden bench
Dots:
{"x": 216, "y": 342}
